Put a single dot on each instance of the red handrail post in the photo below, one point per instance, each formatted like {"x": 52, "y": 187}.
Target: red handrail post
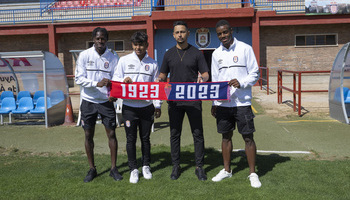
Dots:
{"x": 299, "y": 94}
{"x": 267, "y": 81}
{"x": 279, "y": 87}
{"x": 294, "y": 92}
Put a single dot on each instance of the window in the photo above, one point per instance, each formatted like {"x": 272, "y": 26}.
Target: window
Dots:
{"x": 316, "y": 40}
{"x": 116, "y": 45}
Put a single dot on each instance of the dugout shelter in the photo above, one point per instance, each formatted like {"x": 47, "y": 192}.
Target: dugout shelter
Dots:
{"x": 339, "y": 86}
{"x": 36, "y": 72}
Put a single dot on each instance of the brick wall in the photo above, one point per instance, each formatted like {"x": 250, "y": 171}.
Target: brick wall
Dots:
{"x": 66, "y": 42}
{"x": 277, "y": 49}
{"x": 24, "y": 43}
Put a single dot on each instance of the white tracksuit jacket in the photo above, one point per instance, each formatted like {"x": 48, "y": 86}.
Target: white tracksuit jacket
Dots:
{"x": 145, "y": 70}
{"x": 92, "y": 68}
{"x": 236, "y": 62}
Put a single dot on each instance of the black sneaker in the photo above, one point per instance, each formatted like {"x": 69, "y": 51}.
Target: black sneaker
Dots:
{"x": 175, "y": 174}
{"x": 115, "y": 174}
{"x": 200, "y": 174}
{"x": 92, "y": 173}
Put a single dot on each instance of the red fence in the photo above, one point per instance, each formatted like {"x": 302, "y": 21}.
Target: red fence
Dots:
{"x": 261, "y": 79}
{"x": 295, "y": 91}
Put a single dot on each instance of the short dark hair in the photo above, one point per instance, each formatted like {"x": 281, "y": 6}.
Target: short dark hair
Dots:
{"x": 139, "y": 37}
{"x": 222, "y": 23}
{"x": 180, "y": 23}
{"x": 99, "y": 29}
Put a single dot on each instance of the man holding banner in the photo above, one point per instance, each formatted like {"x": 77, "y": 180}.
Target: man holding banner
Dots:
{"x": 183, "y": 62}
{"x": 234, "y": 61}
{"x": 95, "y": 67}
{"x": 138, "y": 112}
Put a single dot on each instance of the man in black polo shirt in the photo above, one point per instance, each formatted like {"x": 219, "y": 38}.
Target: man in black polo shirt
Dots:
{"x": 184, "y": 62}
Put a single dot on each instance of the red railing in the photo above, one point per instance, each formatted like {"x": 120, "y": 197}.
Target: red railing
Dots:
{"x": 295, "y": 91}
{"x": 261, "y": 79}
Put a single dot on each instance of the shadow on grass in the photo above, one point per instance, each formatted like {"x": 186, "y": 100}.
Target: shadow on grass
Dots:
{"x": 213, "y": 159}
{"x": 291, "y": 105}
{"x": 160, "y": 125}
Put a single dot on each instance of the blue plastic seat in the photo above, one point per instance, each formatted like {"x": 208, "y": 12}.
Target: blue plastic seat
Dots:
{"x": 6, "y": 94}
{"x": 37, "y": 94}
{"x": 24, "y": 106}
{"x": 40, "y": 106}
{"x": 56, "y": 97}
{"x": 22, "y": 94}
{"x": 7, "y": 106}
{"x": 337, "y": 93}
{"x": 347, "y": 98}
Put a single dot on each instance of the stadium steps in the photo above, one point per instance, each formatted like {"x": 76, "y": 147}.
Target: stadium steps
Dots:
{"x": 281, "y": 7}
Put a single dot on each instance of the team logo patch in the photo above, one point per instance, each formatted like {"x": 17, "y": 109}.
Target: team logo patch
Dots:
{"x": 147, "y": 67}
{"x": 106, "y": 65}
{"x": 235, "y": 59}
{"x": 127, "y": 123}
{"x": 220, "y": 61}
{"x": 167, "y": 89}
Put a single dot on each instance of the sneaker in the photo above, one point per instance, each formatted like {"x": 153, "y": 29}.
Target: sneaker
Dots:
{"x": 254, "y": 180}
{"x": 200, "y": 174}
{"x": 146, "y": 171}
{"x": 92, "y": 173}
{"x": 115, "y": 174}
{"x": 134, "y": 176}
{"x": 175, "y": 174}
{"x": 222, "y": 175}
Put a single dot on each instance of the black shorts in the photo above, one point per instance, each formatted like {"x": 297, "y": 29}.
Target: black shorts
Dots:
{"x": 227, "y": 117}
{"x": 89, "y": 112}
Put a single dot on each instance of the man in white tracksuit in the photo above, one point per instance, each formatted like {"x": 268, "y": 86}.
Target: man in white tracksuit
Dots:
{"x": 138, "y": 67}
{"x": 234, "y": 61}
{"x": 94, "y": 69}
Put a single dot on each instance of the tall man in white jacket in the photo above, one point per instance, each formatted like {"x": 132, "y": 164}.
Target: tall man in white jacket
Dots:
{"x": 94, "y": 69}
{"x": 138, "y": 67}
{"x": 234, "y": 61}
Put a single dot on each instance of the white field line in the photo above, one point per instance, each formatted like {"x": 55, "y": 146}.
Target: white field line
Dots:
{"x": 265, "y": 151}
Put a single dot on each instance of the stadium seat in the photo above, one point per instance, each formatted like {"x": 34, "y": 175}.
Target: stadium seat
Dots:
{"x": 56, "y": 97}
{"x": 37, "y": 94}
{"x": 40, "y": 106}
{"x": 7, "y": 106}
{"x": 6, "y": 94}
{"x": 24, "y": 106}
{"x": 337, "y": 93}
{"x": 347, "y": 97}
{"x": 22, "y": 94}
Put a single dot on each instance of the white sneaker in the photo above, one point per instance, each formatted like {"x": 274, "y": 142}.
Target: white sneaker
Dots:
{"x": 146, "y": 171}
{"x": 222, "y": 175}
{"x": 254, "y": 180}
{"x": 134, "y": 176}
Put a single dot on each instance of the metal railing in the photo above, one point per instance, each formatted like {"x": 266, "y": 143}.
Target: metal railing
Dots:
{"x": 89, "y": 13}
{"x": 261, "y": 79}
{"x": 47, "y": 13}
{"x": 295, "y": 91}
{"x": 200, "y": 4}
